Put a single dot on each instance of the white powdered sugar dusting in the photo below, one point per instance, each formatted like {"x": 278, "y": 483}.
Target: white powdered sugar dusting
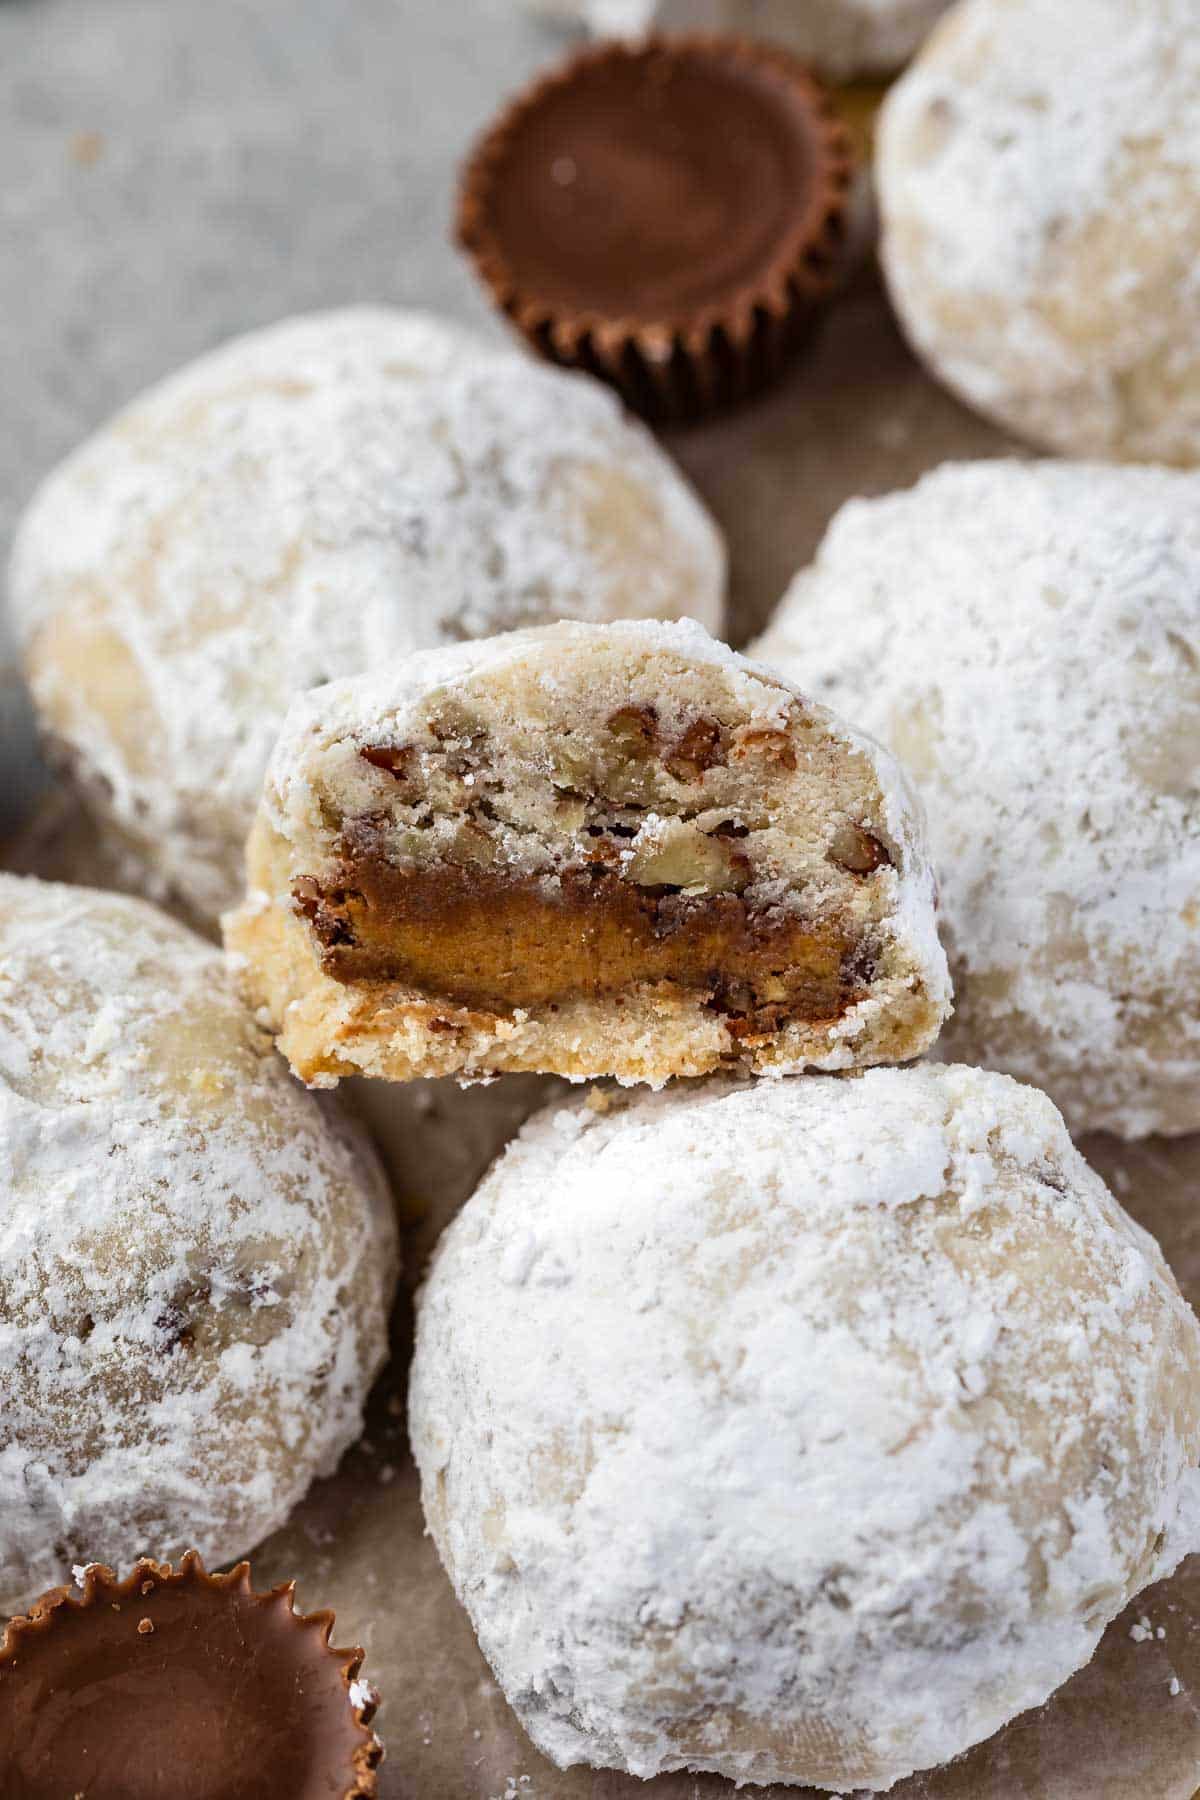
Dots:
{"x": 196, "y": 1257}
{"x": 805, "y": 1430}
{"x": 1039, "y": 179}
{"x": 800, "y": 1431}
{"x": 301, "y": 503}
{"x": 1026, "y": 638}
{"x": 362, "y": 1696}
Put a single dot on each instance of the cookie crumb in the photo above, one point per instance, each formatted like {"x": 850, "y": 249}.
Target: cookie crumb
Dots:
{"x": 86, "y": 148}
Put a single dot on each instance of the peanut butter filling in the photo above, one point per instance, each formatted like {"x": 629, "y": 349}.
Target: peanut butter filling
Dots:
{"x": 491, "y": 941}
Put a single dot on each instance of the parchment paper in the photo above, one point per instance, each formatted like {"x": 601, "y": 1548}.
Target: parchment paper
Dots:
{"x": 285, "y": 155}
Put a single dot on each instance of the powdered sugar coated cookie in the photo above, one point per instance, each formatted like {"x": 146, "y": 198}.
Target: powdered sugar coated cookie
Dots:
{"x": 804, "y": 1431}
{"x": 335, "y": 490}
{"x": 1026, "y": 638}
{"x": 196, "y": 1257}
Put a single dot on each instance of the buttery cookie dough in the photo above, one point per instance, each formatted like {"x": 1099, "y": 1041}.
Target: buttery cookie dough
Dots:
{"x": 301, "y": 504}
{"x": 1039, "y": 181}
{"x": 1026, "y": 638}
{"x": 585, "y": 850}
{"x": 803, "y": 1431}
{"x": 196, "y": 1257}
{"x": 843, "y": 38}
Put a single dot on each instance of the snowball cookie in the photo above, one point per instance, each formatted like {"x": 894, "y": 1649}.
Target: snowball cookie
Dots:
{"x": 1026, "y": 638}
{"x": 1039, "y": 182}
{"x": 843, "y": 38}
{"x": 196, "y": 1260}
{"x": 585, "y": 850}
{"x": 333, "y": 491}
{"x": 803, "y": 1431}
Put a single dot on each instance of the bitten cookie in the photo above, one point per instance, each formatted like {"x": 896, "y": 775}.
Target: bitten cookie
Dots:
{"x": 585, "y": 850}
{"x": 1026, "y": 638}
{"x": 297, "y": 506}
{"x": 803, "y": 1431}
{"x": 196, "y": 1257}
{"x": 1038, "y": 171}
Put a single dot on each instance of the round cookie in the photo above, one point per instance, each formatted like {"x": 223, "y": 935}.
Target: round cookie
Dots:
{"x": 196, "y": 1257}
{"x": 804, "y": 1431}
{"x": 585, "y": 850}
{"x": 308, "y": 500}
{"x": 842, "y": 38}
{"x": 1026, "y": 638}
{"x": 1039, "y": 182}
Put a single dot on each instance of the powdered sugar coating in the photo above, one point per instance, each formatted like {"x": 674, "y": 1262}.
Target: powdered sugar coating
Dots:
{"x": 1039, "y": 181}
{"x": 196, "y": 1256}
{"x": 336, "y": 489}
{"x": 804, "y": 1431}
{"x": 1026, "y": 638}
{"x": 842, "y": 37}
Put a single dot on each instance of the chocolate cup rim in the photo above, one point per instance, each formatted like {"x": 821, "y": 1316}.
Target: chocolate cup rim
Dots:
{"x": 790, "y": 279}
{"x": 101, "y": 1583}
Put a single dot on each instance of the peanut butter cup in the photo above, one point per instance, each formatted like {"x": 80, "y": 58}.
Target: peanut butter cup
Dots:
{"x": 667, "y": 215}
{"x": 180, "y": 1685}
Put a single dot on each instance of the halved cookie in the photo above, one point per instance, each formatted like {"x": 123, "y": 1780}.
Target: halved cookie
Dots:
{"x": 589, "y": 850}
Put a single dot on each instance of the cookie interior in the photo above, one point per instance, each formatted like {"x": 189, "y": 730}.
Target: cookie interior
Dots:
{"x": 534, "y": 842}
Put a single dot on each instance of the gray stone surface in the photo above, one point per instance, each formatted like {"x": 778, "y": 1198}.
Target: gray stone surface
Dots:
{"x": 175, "y": 171}
{"x": 179, "y": 171}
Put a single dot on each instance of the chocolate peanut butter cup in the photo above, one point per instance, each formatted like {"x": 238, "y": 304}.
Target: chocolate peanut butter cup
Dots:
{"x": 668, "y": 215}
{"x": 180, "y": 1685}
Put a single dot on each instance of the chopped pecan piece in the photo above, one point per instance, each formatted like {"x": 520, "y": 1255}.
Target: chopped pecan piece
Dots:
{"x": 400, "y": 762}
{"x": 635, "y": 728}
{"x": 774, "y": 746}
{"x": 858, "y": 850}
{"x": 699, "y": 748}
{"x": 319, "y": 907}
{"x": 395, "y": 758}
